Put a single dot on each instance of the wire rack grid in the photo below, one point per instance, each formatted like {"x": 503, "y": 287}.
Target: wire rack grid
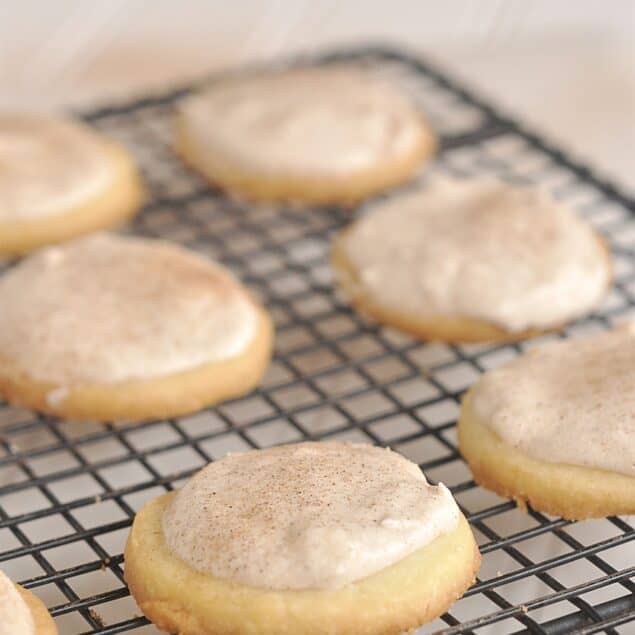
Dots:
{"x": 69, "y": 491}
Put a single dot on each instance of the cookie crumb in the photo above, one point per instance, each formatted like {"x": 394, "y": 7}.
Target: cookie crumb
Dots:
{"x": 98, "y": 618}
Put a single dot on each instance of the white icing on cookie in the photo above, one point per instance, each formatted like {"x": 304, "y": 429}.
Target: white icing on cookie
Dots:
{"x": 312, "y": 121}
{"x": 569, "y": 402}
{"x": 108, "y": 308}
{"x": 307, "y": 516}
{"x": 48, "y": 165}
{"x": 481, "y": 249}
{"x": 15, "y": 615}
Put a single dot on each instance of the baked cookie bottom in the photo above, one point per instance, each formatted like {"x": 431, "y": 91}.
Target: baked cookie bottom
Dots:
{"x": 42, "y": 620}
{"x": 307, "y": 189}
{"x": 453, "y": 329}
{"x": 177, "y": 598}
{"x": 570, "y": 491}
{"x": 154, "y": 398}
{"x": 121, "y": 199}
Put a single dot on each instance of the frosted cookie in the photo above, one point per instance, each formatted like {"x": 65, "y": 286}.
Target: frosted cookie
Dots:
{"x": 555, "y": 427}
{"x": 60, "y": 179}
{"x": 108, "y": 327}
{"x": 472, "y": 260}
{"x": 301, "y": 539}
{"x": 21, "y": 612}
{"x": 316, "y": 135}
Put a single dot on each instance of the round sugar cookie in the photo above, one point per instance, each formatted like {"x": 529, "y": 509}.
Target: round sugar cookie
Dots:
{"x": 555, "y": 427}
{"x": 472, "y": 260}
{"x": 110, "y": 327}
{"x": 22, "y": 612}
{"x": 315, "y": 135}
{"x": 60, "y": 179}
{"x": 303, "y": 539}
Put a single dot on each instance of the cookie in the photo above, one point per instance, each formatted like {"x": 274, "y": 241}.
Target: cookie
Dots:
{"x": 111, "y": 327}
{"x": 555, "y": 428}
{"x": 314, "y": 135}
{"x": 60, "y": 179}
{"x": 21, "y": 612}
{"x": 472, "y": 260}
{"x": 301, "y": 539}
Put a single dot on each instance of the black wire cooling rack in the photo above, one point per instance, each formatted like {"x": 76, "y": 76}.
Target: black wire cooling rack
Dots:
{"x": 68, "y": 491}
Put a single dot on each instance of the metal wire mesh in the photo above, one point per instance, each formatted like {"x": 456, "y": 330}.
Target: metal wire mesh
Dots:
{"x": 68, "y": 491}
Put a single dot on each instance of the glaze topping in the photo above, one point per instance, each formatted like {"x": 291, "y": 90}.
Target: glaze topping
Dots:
{"x": 15, "y": 615}
{"x": 109, "y": 308}
{"x": 306, "y": 516}
{"x": 317, "y": 121}
{"x": 509, "y": 255}
{"x": 568, "y": 402}
{"x": 48, "y": 165}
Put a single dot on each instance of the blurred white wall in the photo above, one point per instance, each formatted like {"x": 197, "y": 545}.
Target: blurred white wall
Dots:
{"x": 568, "y": 67}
